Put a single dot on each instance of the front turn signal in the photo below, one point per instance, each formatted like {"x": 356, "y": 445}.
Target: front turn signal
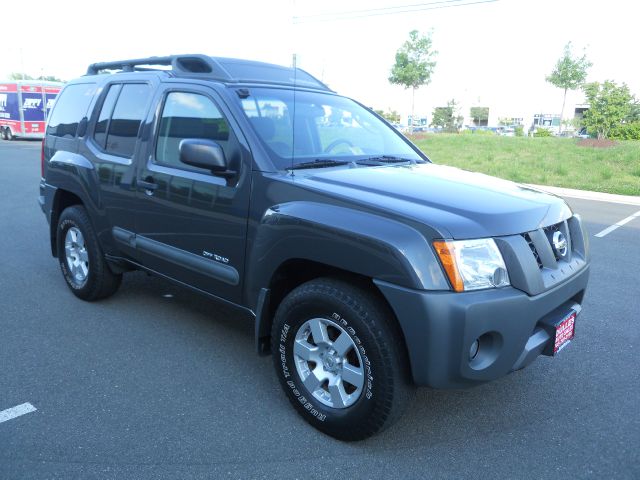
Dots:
{"x": 446, "y": 254}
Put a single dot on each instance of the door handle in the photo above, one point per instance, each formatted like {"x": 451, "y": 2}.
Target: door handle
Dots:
{"x": 149, "y": 185}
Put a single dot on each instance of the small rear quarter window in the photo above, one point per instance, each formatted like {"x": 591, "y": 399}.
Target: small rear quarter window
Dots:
{"x": 70, "y": 107}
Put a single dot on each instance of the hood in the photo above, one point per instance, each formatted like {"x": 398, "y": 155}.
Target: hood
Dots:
{"x": 457, "y": 203}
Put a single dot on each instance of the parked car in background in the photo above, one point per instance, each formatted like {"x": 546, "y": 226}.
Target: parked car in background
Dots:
{"x": 507, "y": 132}
{"x": 582, "y": 133}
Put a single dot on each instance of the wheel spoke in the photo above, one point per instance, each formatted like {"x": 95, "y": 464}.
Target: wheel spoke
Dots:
{"x": 338, "y": 395}
{"x": 312, "y": 382}
{"x": 83, "y": 255}
{"x": 343, "y": 344}
{"x": 334, "y": 372}
{"x": 352, "y": 375}
{"x": 79, "y": 238}
{"x": 68, "y": 251}
{"x": 83, "y": 269}
{"x": 305, "y": 350}
{"x": 319, "y": 332}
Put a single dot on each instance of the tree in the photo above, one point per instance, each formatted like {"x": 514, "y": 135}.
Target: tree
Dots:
{"x": 479, "y": 116}
{"x": 634, "y": 112}
{"x": 569, "y": 73}
{"x": 415, "y": 62}
{"x": 447, "y": 117}
{"x": 390, "y": 116}
{"x": 50, "y": 78}
{"x": 19, "y": 76}
{"x": 609, "y": 105}
{"x": 24, "y": 76}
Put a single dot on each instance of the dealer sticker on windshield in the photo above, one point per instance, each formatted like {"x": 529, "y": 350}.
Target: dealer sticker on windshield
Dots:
{"x": 565, "y": 331}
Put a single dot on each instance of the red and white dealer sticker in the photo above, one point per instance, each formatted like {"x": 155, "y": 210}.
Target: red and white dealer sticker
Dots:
{"x": 565, "y": 331}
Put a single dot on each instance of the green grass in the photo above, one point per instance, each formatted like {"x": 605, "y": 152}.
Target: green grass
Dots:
{"x": 545, "y": 161}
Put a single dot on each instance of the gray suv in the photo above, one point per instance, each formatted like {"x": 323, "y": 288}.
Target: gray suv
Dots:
{"x": 367, "y": 268}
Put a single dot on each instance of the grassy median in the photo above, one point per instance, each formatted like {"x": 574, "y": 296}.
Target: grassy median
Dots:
{"x": 560, "y": 162}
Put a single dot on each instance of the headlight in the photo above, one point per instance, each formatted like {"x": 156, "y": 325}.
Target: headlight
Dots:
{"x": 472, "y": 264}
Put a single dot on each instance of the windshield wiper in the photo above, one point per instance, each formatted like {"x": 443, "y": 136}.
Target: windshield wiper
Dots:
{"x": 318, "y": 163}
{"x": 386, "y": 159}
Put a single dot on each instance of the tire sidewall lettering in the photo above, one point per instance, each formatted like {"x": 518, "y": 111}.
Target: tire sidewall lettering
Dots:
{"x": 286, "y": 357}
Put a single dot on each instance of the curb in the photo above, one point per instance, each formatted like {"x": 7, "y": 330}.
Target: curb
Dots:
{"x": 587, "y": 195}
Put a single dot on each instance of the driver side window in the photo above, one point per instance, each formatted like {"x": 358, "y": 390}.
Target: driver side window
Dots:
{"x": 189, "y": 115}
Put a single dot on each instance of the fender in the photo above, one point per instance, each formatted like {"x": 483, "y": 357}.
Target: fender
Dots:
{"x": 73, "y": 173}
{"x": 357, "y": 241}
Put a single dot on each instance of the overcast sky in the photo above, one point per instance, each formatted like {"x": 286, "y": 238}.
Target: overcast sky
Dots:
{"x": 495, "y": 54}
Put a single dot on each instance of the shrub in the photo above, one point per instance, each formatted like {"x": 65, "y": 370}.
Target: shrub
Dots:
{"x": 519, "y": 131}
{"x": 626, "y": 131}
{"x": 542, "y": 132}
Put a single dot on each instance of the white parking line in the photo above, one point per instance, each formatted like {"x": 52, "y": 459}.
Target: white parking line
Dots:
{"x": 11, "y": 413}
{"x": 615, "y": 226}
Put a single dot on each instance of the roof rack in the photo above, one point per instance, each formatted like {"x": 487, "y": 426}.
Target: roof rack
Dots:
{"x": 185, "y": 64}
{"x": 230, "y": 70}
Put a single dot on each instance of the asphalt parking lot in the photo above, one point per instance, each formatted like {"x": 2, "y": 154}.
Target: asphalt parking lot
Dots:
{"x": 158, "y": 382}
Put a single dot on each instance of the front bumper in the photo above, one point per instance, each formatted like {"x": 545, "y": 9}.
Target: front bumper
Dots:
{"x": 440, "y": 328}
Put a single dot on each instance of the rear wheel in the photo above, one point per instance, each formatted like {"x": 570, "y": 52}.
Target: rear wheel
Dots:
{"x": 8, "y": 134}
{"x": 340, "y": 358}
{"x": 3, "y": 133}
{"x": 81, "y": 259}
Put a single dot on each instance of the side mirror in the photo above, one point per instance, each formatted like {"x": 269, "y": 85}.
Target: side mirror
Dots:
{"x": 204, "y": 153}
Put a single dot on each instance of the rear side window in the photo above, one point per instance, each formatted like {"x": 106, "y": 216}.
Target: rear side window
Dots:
{"x": 189, "y": 115}
{"x": 100, "y": 133}
{"x": 69, "y": 109}
{"x": 120, "y": 117}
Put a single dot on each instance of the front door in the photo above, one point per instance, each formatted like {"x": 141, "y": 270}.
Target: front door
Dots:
{"x": 191, "y": 225}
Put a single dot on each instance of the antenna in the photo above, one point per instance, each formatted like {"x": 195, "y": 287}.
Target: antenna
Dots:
{"x": 293, "y": 125}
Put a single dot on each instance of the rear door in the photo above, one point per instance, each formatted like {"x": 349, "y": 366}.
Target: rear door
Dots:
{"x": 192, "y": 225}
{"x": 10, "y": 107}
{"x": 114, "y": 146}
{"x": 33, "y": 109}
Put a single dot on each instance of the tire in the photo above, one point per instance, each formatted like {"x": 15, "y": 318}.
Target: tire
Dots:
{"x": 3, "y": 131}
{"x": 320, "y": 375}
{"x": 8, "y": 134}
{"x": 82, "y": 262}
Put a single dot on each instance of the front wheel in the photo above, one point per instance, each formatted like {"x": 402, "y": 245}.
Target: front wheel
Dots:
{"x": 340, "y": 358}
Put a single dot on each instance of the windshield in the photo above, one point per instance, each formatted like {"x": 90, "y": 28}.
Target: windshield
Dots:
{"x": 319, "y": 127}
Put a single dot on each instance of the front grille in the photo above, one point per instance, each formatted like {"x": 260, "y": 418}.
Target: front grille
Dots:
{"x": 549, "y": 231}
{"x": 541, "y": 244}
{"x": 527, "y": 237}
{"x": 523, "y": 252}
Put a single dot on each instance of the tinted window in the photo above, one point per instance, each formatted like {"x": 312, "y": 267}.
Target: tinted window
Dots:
{"x": 125, "y": 122}
{"x": 189, "y": 115}
{"x": 69, "y": 109}
{"x": 100, "y": 133}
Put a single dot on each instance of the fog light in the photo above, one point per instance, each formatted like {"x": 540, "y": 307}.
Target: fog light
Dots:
{"x": 473, "y": 351}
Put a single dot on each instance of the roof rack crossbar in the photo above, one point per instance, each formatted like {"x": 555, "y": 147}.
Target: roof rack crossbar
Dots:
{"x": 185, "y": 64}
{"x": 127, "y": 65}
